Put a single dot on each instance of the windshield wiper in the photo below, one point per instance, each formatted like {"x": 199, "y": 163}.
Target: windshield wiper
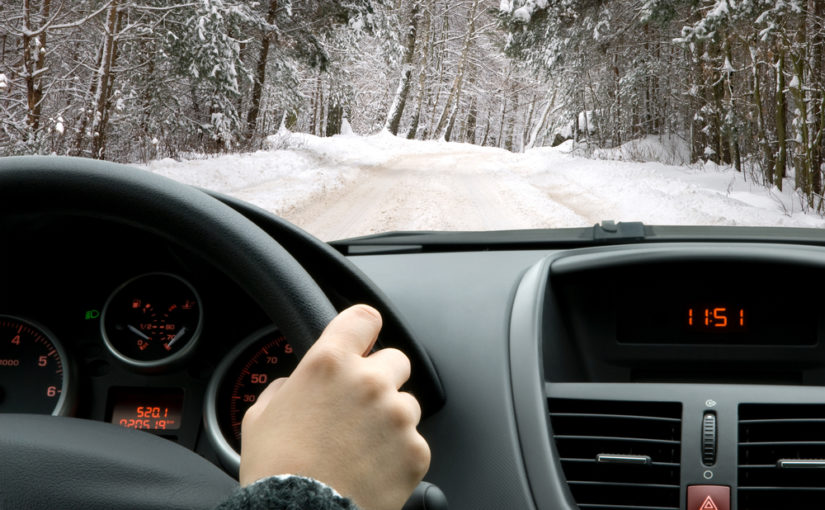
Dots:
{"x": 606, "y": 233}
{"x": 420, "y": 241}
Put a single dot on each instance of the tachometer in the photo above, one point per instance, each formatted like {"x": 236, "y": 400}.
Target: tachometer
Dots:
{"x": 152, "y": 320}
{"x": 34, "y": 375}
{"x": 258, "y": 360}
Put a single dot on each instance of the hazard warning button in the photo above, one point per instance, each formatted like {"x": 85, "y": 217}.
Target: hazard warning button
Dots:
{"x": 708, "y": 497}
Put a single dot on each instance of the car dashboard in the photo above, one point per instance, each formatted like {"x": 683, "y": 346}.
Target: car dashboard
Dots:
{"x": 650, "y": 375}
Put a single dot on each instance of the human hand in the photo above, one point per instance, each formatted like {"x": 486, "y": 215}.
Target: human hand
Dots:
{"x": 340, "y": 419}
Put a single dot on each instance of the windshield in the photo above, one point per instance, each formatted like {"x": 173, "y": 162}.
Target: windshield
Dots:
{"x": 368, "y": 116}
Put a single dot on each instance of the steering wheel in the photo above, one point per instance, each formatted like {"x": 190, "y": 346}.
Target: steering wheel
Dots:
{"x": 55, "y": 462}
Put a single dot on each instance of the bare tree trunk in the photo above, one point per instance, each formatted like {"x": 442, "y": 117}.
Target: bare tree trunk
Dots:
{"x": 816, "y": 9}
{"x": 455, "y": 90}
{"x": 439, "y": 50}
{"x": 316, "y": 105}
{"x": 34, "y": 64}
{"x": 781, "y": 106}
{"x": 448, "y": 131}
{"x": 761, "y": 131}
{"x": 486, "y": 129}
{"x": 400, "y": 100}
{"x": 426, "y": 53}
{"x": 322, "y": 112}
{"x": 100, "y": 115}
{"x": 717, "y": 89}
{"x": 110, "y": 86}
{"x": 802, "y": 159}
{"x": 525, "y": 132}
{"x": 732, "y": 131}
{"x": 534, "y": 132}
{"x": 335, "y": 117}
{"x": 419, "y": 111}
{"x": 502, "y": 114}
{"x": 470, "y": 125}
{"x": 260, "y": 74}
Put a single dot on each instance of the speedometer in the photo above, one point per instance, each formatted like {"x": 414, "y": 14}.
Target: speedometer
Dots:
{"x": 236, "y": 384}
{"x": 34, "y": 375}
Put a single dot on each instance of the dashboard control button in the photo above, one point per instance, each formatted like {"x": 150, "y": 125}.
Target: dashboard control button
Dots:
{"x": 708, "y": 497}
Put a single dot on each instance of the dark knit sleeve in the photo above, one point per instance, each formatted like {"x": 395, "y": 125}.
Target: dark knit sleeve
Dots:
{"x": 286, "y": 493}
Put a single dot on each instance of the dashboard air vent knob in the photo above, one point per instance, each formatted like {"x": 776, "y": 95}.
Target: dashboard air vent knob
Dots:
{"x": 709, "y": 431}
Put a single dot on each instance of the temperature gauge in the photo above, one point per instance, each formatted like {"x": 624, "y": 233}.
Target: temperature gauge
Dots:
{"x": 152, "y": 320}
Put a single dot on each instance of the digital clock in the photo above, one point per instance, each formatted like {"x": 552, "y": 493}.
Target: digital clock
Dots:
{"x": 148, "y": 409}
{"x": 704, "y": 315}
{"x": 716, "y": 317}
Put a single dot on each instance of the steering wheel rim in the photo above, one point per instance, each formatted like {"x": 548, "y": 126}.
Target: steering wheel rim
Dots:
{"x": 180, "y": 214}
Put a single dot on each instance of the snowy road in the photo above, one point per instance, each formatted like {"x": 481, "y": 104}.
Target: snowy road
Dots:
{"x": 347, "y": 186}
{"x": 437, "y": 191}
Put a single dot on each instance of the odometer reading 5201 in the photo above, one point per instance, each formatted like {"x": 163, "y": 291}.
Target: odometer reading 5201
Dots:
{"x": 148, "y": 409}
{"x": 33, "y": 372}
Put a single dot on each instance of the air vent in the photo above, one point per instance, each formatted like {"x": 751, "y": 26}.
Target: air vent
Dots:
{"x": 619, "y": 455}
{"x": 781, "y": 456}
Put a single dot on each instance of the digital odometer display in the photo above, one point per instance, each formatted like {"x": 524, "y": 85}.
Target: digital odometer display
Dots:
{"x": 149, "y": 409}
{"x": 714, "y": 310}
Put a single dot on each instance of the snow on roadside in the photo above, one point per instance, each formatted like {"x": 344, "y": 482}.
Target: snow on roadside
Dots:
{"x": 668, "y": 149}
{"x": 559, "y": 188}
{"x": 660, "y": 194}
{"x": 273, "y": 180}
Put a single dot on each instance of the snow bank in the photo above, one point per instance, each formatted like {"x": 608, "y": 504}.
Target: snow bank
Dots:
{"x": 273, "y": 180}
{"x": 660, "y": 194}
{"x": 667, "y": 149}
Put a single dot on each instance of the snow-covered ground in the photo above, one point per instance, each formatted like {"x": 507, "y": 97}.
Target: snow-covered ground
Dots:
{"x": 350, "y": 185}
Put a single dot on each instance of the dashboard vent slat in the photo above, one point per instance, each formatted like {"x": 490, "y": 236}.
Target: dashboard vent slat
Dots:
{"x": 583, "y": 430}
{"x": 772, "y": 435}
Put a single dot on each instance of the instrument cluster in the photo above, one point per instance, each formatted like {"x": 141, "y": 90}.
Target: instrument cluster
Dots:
{"x": 161, "y": 342}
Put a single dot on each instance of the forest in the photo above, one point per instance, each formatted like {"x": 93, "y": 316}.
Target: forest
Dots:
{"x": 740, "y": 82}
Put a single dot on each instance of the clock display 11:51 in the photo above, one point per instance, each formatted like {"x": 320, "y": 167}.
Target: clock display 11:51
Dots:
{"x": 716, "y": 317}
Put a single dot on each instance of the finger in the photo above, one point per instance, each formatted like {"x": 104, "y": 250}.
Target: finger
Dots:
{"x": 269, "y": 392}
{"x": 355, "y": 330}
{"x": 394, "y": 363}
{"x": 412, "y": 403}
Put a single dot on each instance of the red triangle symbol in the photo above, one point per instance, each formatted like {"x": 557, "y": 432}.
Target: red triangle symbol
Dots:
{"x": 708, "y": 504}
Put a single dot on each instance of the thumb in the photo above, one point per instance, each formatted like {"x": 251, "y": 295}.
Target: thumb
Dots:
{"x": 354, "y": 330}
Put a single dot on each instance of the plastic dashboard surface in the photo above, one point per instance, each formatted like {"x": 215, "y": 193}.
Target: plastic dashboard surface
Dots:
{"x": 515, "y": 332}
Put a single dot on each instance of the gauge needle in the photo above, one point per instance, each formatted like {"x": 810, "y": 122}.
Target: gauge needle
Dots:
{"x": 177, "y": 337}
{"x": 138, "y": 332}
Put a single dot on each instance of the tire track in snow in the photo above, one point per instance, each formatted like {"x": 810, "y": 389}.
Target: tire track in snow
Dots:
{"x": 439, "y": 191}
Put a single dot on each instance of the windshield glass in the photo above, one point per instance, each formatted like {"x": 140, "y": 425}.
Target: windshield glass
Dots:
{"x": 367, "y": 116}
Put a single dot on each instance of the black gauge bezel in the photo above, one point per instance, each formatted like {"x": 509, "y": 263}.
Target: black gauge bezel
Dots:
{"x": 229, "y": 458}
{"x": 65, "y": 403}
{"x": 167, "y": 361}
